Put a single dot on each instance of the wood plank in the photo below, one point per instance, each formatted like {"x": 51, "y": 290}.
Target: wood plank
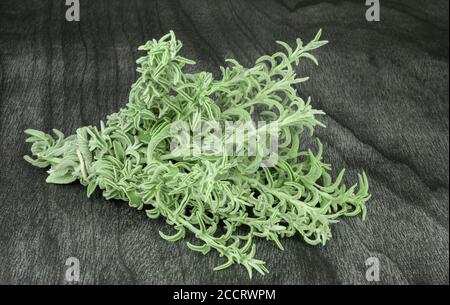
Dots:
{"x": 384, "y": 87}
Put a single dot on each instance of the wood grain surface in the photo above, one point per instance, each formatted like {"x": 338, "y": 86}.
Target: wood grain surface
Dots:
{"x": 384, "y": 87}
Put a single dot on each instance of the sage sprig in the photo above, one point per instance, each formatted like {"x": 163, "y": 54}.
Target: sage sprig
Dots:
{"x": 226, "y": 201}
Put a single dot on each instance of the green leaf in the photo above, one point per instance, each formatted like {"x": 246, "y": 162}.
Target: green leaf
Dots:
{"x": 58, "y": 179}
{"x": 118, "y": 151}
{"x": 134, "y": 200}
{"x": 226, "y": 265}
{"x": 37, "y": 163}
{"x": 204, "y": 249}
{"x": 179, "y": 235}
{"x": 90, "y": 189}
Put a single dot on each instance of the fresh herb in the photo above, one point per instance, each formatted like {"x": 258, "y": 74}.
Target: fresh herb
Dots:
{"x": 225, "y": 201}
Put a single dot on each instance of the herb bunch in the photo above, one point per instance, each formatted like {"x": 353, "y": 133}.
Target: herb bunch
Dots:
{"x": 226, "y": 201}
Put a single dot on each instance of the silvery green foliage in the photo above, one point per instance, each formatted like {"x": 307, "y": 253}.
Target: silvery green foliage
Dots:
{"x": 129, "y": 157}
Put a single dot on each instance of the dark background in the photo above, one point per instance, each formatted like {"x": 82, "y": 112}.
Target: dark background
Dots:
{"x": 384, "y": 87}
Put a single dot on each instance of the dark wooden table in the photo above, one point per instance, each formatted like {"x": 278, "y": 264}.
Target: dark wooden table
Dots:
{"x": 383, "y": 85}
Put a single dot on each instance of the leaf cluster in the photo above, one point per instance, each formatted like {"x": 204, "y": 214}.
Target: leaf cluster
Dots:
{"x": 226, "y": 201}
